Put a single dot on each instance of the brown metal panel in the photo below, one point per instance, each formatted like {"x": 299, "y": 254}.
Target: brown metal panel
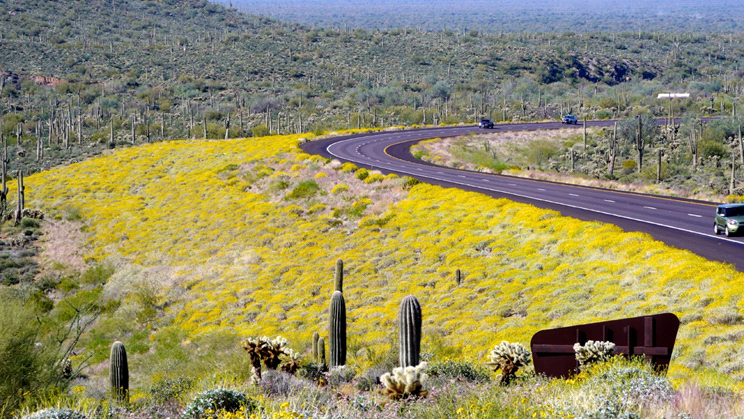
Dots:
{"x": 552, "y": 349}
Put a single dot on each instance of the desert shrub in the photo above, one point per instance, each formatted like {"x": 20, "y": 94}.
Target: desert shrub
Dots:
{"x": 55, "y": 414}
{"x": 609, "y": 409}
{"x": 370, "y": 379}
{"x": 603, "y": 114}
{"x": 29, "y": 223}
{"x": 340, "y": 375}
{"x": 278, "y": 184}
{"x": 374, "y": 177}
{"x": 709, "y": 148}
{"x": 313, "y": 371}
{"x": 340, "y": 188}
{"x": 98, "y": 274}
{"x": 540, "y": 151}
{"x": 216, "y": 400}
{"x": 633, "y": 383}
{"x": 260, "y": 131}
{"x": 304, "y": 189}
{"x": 409, "y": 182}
{"x": 281, "y": 384}
{"x": 25, "y": 369}
{"x": 169, "y": 389}
{"x": 362, "y": 174}
{"x": 458, "y": 370}
{"x": 348, "y": 167}
{"x": 629, "y": 166}
{"x": 72, "y": 213}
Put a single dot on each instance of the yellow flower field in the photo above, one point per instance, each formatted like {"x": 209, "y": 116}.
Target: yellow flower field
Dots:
{"x": 246, "y": 260}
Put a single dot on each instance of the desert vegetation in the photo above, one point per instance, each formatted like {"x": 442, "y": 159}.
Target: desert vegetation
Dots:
{"x": 195, "y": 246}
{"x": 81, "y": 77}
{"x": 168, "y": 251}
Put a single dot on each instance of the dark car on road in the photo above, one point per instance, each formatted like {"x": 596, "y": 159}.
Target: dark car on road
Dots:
{"x": 728, "y": 218}
{"x": 569, "y": 119}
{"x": 485, "y": 123}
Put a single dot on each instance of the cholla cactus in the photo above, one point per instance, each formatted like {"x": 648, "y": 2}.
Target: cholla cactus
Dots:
{"x": 405, "y": 382}
{"x": 593, "y": 351}
{"x": 293, "y": 363}
{"x": 509, "y": 357}
{"x": 267, "y": 350}
{"x": 254, "y": 349}
{"x": 273, "y": 350}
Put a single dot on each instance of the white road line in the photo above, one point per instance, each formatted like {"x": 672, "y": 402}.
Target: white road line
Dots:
{"x": 573, "y": 194}
{"x": 609, "y": 200}
{"x": 462, "y": 176}
{"x": 403, "y": 169}
{"x": 695, "y": 215}
{"x": 512, "y": 184}
{"x": 650, "y": 208}
{"x": 541, "y": 190}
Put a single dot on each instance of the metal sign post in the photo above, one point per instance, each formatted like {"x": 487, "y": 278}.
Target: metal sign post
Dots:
{"x": 650, "y": 336}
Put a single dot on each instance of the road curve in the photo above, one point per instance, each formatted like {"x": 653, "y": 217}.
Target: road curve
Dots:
{"x": 681, "y": 223}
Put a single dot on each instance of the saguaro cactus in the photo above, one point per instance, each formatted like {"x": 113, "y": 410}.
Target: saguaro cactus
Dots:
{"x": 337, "y": 330}
{"x": 316, "y": 336}
{"x": 21, "y": 197}
{"x": 340, "y": 275}
{"x": 321, "y": 351}
{"x": 119, "y": 372}
{"x": 409, "y": 331}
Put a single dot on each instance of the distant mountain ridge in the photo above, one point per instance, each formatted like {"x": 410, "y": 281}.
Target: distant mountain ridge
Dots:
{"x": 509, "y": 15}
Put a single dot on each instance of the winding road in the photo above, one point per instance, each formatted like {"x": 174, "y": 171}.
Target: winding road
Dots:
{"x": 682, "y": 223}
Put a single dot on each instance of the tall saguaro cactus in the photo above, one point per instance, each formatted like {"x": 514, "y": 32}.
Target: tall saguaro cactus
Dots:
{"x": 337, "y": 330}
{"x": 4, "y": 187}
{"x": 340, "y": 275}
{"x": 21, "y": 197}
{"x": 119, "y": 372}
{"x": 409, "y": 317}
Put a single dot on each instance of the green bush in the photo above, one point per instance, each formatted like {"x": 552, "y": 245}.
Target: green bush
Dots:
{"x": 409, "y": 182}
{"x": 217, "y": 400}
{"x": 629, "y": 166}
{"x": 98, "y": 274}
{"x": 25, "y": 368}
{"x": 362, "y": 174}
{"x": 170, "y": 389}
{"x": 305, "y": 189}
{"x": 29, "y": 223}
{"x": 260, "y": 131}
{"x": 540, "y": 151}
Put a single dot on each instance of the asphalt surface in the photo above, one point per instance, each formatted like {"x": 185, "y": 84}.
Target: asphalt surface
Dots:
{"x": 681, "y": 223}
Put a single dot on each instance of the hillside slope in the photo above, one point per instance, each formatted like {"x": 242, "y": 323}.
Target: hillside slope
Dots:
{"x": 239, "y": 238}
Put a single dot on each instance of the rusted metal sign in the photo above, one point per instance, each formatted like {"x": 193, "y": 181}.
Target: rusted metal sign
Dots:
{"x": 651, "y": 336}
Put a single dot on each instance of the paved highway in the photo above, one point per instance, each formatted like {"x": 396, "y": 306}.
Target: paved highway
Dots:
{"x": 681, "y": 223}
